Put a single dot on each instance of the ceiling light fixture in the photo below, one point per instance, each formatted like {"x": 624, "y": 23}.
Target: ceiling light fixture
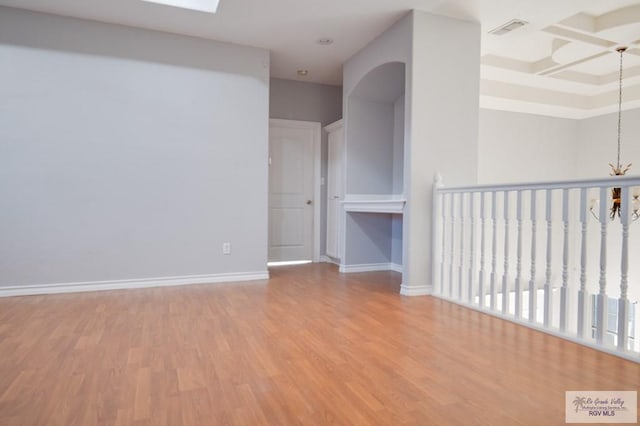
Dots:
{"x": 619, "y": 169}
{"x": 512, "y": 25}
{"x": 209, "y": 6}
{"x": 303, "y": 73}
{"x": 325, "y": 41}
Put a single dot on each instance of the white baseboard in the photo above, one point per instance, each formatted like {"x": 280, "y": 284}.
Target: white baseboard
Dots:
{"x": 370, "y": 267}
{"x": 415, "y": 290}
{"x": 396, "y": 267}
{"x": 131, "y": 284}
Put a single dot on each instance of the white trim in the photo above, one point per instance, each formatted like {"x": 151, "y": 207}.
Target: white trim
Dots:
{"x": 131, "y": 284}
{"x": 415, "y": 290}
{"x": 333, "y": 126}
{"x": 365, "y": 267}
{"x": 293, "y": 124}
{"x": 374, "y": 203}
{"x": 317, "y": 189}
{"x": 560, "y": 184}
{"x": 396, "y": 267}
{"x": 336, "y": 146}
{"x": 317, "y": 153}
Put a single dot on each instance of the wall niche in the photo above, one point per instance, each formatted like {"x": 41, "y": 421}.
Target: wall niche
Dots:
{"x": 374, "y": 189}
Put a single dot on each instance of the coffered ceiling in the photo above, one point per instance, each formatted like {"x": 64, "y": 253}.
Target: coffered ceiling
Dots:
{"x": 568, "y": 68}
{"x": 562, "y": 62}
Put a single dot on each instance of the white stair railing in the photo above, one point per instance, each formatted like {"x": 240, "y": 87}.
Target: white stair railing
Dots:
{"x": 486, "y": 238}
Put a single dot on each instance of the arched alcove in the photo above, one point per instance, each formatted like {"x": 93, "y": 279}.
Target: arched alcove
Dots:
{"x": 375, "y": 132}
{"x": 375, "y": 128}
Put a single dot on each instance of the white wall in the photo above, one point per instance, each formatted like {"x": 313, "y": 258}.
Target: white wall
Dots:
{"x": 596, "y": 143}
{"x": 516, "y": 147}
{"x": 128, "y": 154}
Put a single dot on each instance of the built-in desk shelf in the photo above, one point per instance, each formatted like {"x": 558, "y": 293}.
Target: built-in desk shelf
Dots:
{"x": 374, "y": 203}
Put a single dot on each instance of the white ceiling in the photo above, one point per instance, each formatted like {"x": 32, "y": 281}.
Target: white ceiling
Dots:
{"x": 562, "y": 63}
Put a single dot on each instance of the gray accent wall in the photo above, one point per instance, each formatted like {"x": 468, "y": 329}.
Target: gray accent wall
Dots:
{"x": 370, "y": 147}
{"x": 296, "y": 100}
{"x": 370, "y": 237}
{"x": 127, "y": 153}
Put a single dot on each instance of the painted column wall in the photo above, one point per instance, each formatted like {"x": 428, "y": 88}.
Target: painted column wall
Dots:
{"x": 443, "y": 113}
{"x": 442, "y": 58}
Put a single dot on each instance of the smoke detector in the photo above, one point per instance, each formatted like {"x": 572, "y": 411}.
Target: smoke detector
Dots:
{"x": 512, "y": 25}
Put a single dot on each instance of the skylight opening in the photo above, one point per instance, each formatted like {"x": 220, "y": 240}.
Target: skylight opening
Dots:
{"x": 208, "y": 6}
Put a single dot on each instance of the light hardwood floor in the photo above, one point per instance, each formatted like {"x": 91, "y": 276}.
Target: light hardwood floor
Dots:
{"x": 309, "y": 346}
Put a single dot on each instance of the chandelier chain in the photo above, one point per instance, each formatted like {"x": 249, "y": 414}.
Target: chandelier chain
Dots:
{"x": 620, "y": 105}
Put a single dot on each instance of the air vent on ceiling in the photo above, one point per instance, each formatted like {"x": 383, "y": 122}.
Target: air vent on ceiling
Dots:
{"x": 513, "y": 24}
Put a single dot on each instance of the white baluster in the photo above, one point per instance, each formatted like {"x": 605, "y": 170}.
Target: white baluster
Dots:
{"x": 623, "y": 301}
{"x": 518, "y": 289}
{"x": 461, "y": 259}
{"x": 533, "y": 291}
{"x": 482, "y": 273}
{"x": 459, "y": 277}
{"x": 547, "y": 282}
{"x": 494, "y": 247}
{"x": 601, "y": 298}
{"x": 443, "y": 252}
{"x": 505, "y": 276}
{"x": 583, "y": 297}
{"x": 564, "y": 291}
{"x": 452, "y": 243}
{"x": 437, "y": 226}
{"x": 472, "y": 248}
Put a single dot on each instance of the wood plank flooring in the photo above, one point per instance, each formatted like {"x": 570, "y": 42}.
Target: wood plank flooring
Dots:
{"x": 309, "y": 346}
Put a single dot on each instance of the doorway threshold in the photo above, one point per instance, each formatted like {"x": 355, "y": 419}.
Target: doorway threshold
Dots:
{"x": 289, "y": 263}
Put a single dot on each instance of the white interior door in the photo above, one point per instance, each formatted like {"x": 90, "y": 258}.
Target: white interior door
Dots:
{"x": 334, "y": 189}
{"x": 291, "y": 191}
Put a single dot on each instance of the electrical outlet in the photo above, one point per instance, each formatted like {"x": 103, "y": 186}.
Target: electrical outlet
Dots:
{"x": 226, "y": 248}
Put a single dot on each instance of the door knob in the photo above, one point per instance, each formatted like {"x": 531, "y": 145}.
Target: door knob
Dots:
{"x": 308, "y": 202}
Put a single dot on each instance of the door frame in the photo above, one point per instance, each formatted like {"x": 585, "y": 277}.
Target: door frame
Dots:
{"x": 317, "y": 155}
